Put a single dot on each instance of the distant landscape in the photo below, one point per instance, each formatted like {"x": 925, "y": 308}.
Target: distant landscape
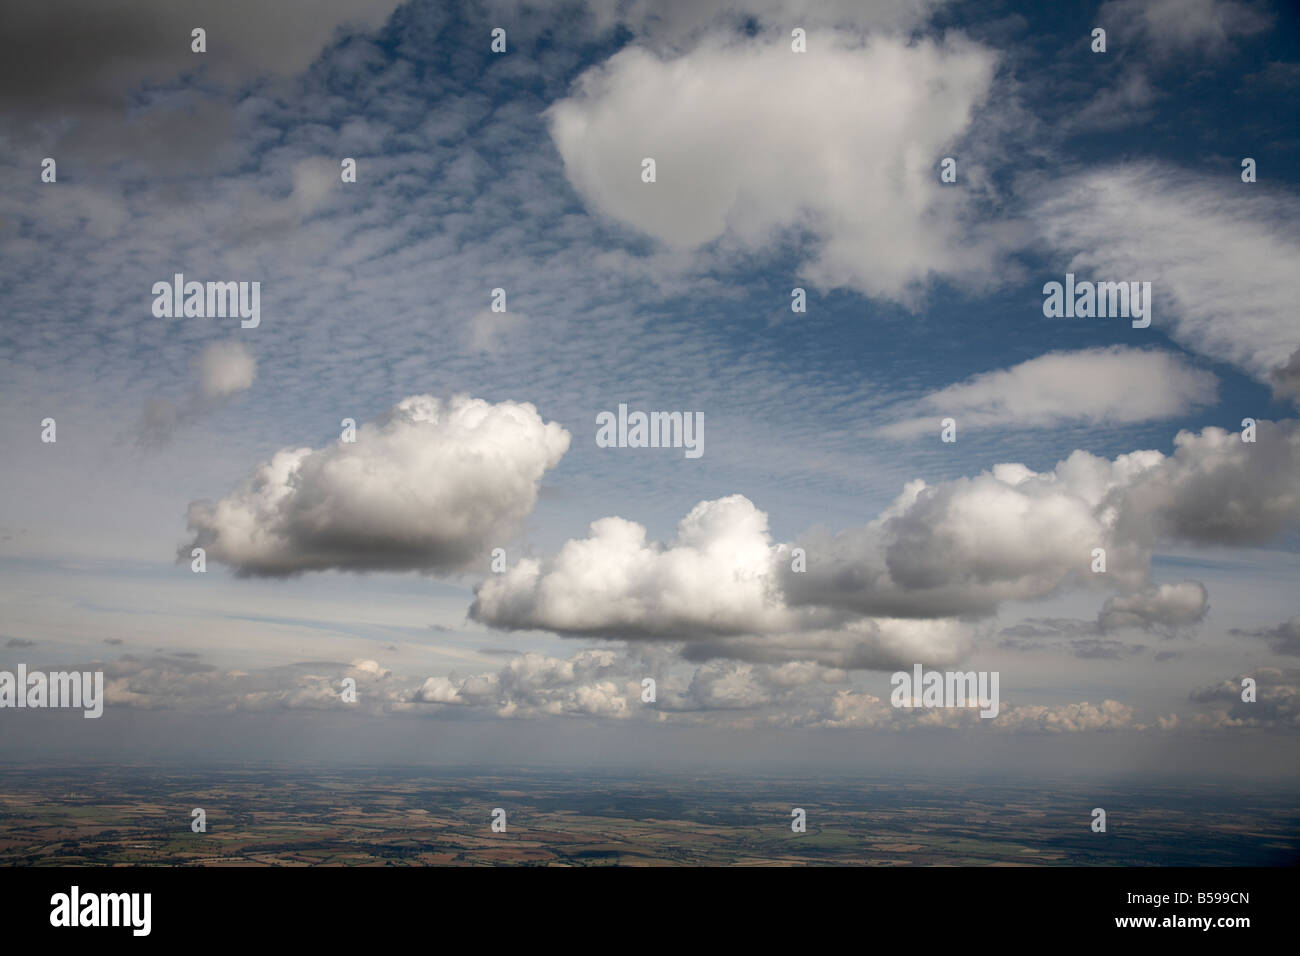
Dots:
{"x": 366, "y": 817}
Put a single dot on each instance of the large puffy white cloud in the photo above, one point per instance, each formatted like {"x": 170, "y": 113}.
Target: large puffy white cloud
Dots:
{"x": 753, "y": 143}
{"x": 965, "y": 546}
{"x": 1217, "y": 489}
{"x": 898, "y": 588}
{"x": 1090, "y": 386}
{"x": 715, "y": 579}
{"x": 1219, "y": 255}
{"x": 716, "y": 588}
{"x": 432, "y": 487}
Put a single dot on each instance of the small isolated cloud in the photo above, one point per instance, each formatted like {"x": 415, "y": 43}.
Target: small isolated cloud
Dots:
{"x": 1166, "y": 609}
{"x": 368, "y": 668}
{"x": 1068, "y": 635}
{"x": 225, "y": 368}
{"x": 1125, "y": 103}
{"x": 1091, "y": 386}
{"x": 1169, "y": 610}
{"x": 432, "y": 487}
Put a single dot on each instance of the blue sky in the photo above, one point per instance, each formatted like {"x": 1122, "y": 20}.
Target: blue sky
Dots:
{"x": 776, "y": 170}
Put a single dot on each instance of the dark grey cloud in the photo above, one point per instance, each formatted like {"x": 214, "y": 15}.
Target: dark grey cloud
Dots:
{"x": 79, "y": 56}
{"x": 1283, "y": 639}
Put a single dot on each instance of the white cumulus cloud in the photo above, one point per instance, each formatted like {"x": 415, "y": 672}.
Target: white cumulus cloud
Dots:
{"x": 753, "y": 142}
{"x": 432, "y": 487}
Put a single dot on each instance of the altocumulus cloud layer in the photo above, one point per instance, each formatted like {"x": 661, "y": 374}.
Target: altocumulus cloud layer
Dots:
{"x": 432, "y": 487}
